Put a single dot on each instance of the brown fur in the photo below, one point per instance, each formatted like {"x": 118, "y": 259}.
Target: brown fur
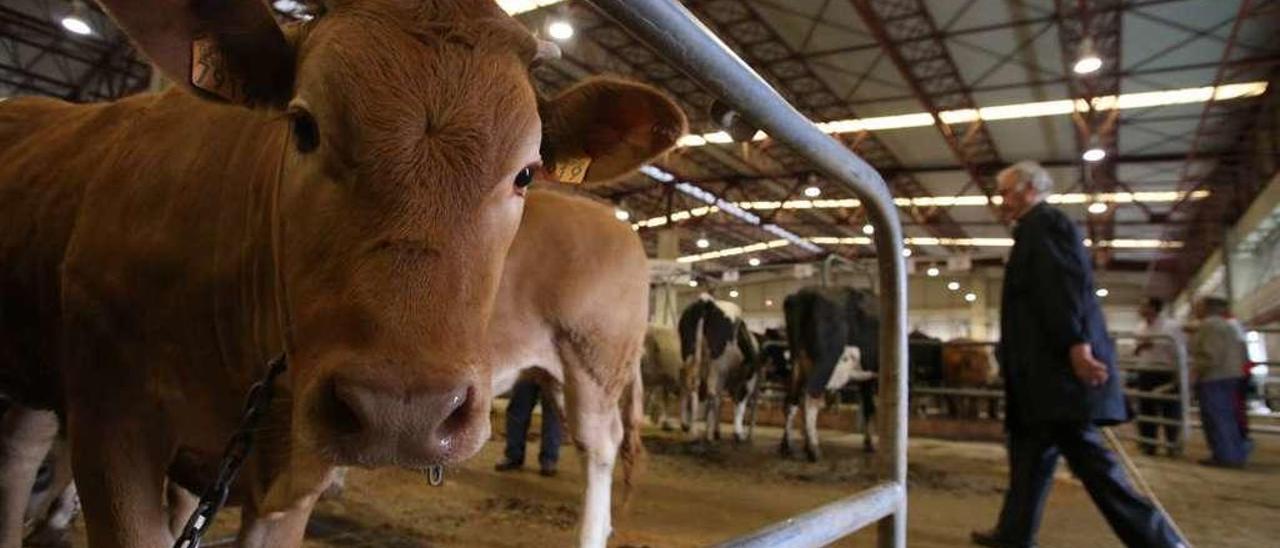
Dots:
{"x": 965, "y": 365}
{"x": 145, "y": 244}
{"x": 574, "y": 300}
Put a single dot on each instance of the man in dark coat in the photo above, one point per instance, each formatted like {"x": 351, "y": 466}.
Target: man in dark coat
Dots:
{"x": 1059, "y": 374}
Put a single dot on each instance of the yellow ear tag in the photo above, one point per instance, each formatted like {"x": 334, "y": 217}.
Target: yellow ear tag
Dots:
{"x": 207, "y": 74}
{"x": 572, "y": 170}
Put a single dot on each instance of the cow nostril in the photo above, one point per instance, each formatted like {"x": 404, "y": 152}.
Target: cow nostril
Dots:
{"x": 457, "y": 410}
{"x": 343, "y": 409}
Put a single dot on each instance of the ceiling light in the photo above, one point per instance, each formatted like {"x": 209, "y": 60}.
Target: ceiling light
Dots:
{"x": 1102, "y": 292}
{"x": 906, "y": 252}
{"x": 515, "y": 7}
{"x": 753, "y": 261}
{"x": 868, "y": 229}
{"x": 76, "y": 21}
{"x": 1088, "y": 62}
{"x": 733, "y": 293}
{"x": 621, "y": 214}
{"x": 970, "y": 297}
{"x": 693, "y": 283}
{"x": 1095, "y": 152}
{"x": 812, "y": 191}
{"x": 954, "y": 286}
{"x": 702, "y": 242}
{"x": 1150, "y": 197}
{"x": 560, "y": 29}
{"x": 933, "y": 272}
{"x": 1097, "y": 208}
{"x": 768, "y": 302}
{"x": 1016, "y": 111}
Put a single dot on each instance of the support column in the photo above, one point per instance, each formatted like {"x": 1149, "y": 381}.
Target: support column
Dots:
{"x": 978, "y": 317}
{"x": 665, "y": 312}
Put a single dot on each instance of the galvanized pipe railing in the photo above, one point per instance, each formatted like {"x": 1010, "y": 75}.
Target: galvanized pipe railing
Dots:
{"x": 691, "y": 47}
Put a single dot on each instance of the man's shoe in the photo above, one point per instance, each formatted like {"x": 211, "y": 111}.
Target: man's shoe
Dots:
{"x": 507, "y": 466}
{"x": 1219, "y": 464}
{"x": 992, "y": 538}
{"x": 548, "y": 472}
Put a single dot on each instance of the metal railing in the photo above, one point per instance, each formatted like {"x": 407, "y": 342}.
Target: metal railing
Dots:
{"x": 1177, "y": 391}
{"x": 679, "y": 37}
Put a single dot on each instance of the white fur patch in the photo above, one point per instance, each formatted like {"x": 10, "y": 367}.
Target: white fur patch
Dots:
{"x": 732, "y": 310}
{"x": 849, "y": 369}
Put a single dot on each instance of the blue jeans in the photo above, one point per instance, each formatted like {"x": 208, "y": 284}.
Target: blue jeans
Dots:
{"x": 520, "y": 413}
{"x": 1222, "y": 428}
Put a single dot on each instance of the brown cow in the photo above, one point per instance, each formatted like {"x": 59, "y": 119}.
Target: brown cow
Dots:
{"x": 663, "y": 371}
{"x": 967, "y": 364}
{"x": 157, "y": 251}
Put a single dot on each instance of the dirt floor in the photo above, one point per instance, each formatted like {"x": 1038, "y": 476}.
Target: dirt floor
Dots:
{"x": 694, "y": 495}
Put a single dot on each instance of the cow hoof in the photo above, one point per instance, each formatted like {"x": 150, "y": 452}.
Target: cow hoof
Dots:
{"x": 812, "y": 455}
{"x": 868, "y": 448}
{"x": 686, "y": 427}
{"x": 715, "y": 436}
{"x": 784, "y": 450}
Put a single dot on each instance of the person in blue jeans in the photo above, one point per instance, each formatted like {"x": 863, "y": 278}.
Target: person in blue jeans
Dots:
{"x": 524, "y": 396}
{"x": 1218, "y": 355}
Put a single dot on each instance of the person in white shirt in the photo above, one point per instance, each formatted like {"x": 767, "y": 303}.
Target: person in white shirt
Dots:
{"x": 1161, "y": 347}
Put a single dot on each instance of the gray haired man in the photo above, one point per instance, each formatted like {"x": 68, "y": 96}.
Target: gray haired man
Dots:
{"x": 1060, "y": 380}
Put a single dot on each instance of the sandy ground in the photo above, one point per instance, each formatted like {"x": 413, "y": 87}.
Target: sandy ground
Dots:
{"x": 694, "y": 495}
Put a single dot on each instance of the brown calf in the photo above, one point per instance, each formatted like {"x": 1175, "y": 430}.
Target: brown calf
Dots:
{"x": 157, "y": 251}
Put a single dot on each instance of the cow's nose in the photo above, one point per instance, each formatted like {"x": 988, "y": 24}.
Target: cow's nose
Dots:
{"x": 387, "y": 422}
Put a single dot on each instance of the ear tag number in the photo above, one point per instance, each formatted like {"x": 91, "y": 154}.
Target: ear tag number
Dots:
{"x": 572, "y": 170}
{"x": 207, "y": 72}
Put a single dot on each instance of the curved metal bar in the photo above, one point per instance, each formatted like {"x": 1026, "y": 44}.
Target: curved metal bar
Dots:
{"x": 685, "y": 42}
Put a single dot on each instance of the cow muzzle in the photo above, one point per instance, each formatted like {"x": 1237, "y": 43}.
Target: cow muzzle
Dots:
{"x": 378, "y": 421}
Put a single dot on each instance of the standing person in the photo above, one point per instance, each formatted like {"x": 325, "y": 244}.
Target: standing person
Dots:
{"x": 525, "y": 395}
{"x": 1160, "y": 349}
{"x": 1059, "y": 375}
{"x": 1218, "y": 353}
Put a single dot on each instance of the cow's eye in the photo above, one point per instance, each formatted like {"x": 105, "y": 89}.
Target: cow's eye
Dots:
{"x": 524, "y": 179}
{"x": 306, "y": 135}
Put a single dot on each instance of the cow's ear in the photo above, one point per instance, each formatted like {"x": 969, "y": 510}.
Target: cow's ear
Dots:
{"x": 603, "y": 128}
{"x": 230, "y": 51}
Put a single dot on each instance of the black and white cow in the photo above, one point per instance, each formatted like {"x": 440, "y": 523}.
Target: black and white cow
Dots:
{"x": 720, "y": 357}
{"x": 832, "y": 333}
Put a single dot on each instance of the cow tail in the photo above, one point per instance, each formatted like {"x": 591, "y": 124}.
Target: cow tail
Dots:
{"x": 632, "y": 450}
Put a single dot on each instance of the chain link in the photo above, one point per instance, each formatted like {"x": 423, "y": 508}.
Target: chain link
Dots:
{"x": 233, "y": 457}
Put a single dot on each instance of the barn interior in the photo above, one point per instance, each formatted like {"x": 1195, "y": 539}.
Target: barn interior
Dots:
{"x": 1158, "y": 121}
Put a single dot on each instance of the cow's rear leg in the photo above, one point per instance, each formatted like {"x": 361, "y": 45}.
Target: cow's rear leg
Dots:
{"x": 784, "y": 448}
{"x": 740, "y": 412}
{"x": 25, "y": 438}
{"x": 811, "y": 407}
{"x": 595, "y": 424}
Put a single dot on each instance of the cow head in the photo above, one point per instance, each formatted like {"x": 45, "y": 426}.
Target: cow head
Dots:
{"x": 413, "y": 131}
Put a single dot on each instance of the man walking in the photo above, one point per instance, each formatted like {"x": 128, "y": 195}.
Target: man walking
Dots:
{"x": 1160, "y": 350}
{"x": 1059, "y": 375}
{"x": 1218, "y": 355}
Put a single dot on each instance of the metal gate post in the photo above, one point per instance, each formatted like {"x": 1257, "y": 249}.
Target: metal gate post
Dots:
{"x": 676, "y": 34}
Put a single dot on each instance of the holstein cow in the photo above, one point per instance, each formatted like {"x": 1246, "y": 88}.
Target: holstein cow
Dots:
{"x": 661, "y": 368}
{"x": 720, "y": 358}
{"x": 832, "y": 332}
{"x": 156, "y": 252}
